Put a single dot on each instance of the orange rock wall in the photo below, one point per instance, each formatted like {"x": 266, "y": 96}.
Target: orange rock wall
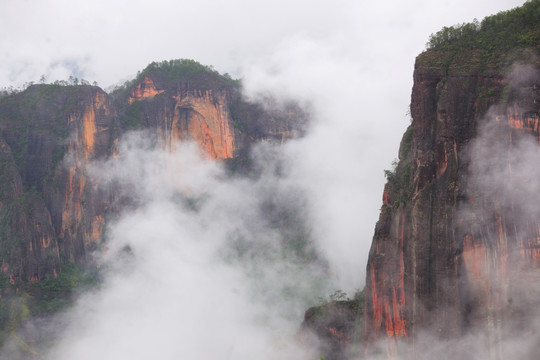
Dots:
{"x": 144, "y": 90}
{"x": 452, "y": 255}
{"x": 386, "y": 288}
{"x": 82, "y": 220}
{"x": 198, "y": 115}
{"x": 201, "y": 116}
{"x": 58, "y": 131}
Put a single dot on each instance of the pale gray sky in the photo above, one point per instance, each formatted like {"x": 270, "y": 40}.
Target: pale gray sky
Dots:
{"x": 110, "y": 40}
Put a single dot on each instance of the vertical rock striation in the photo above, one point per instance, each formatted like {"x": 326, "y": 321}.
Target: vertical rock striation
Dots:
{"x": 51, "y": 211}
{"x": 50, "y": 208}
{"x": 458, "y": 233}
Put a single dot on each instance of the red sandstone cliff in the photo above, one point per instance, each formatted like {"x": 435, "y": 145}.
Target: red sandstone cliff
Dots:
{"x": 458, "y": 237}
{"x": 50, "y": 208}
{"x": 51, "y": 211}
{"x": 182, "y": 100}
{"x": 200, "y": 115}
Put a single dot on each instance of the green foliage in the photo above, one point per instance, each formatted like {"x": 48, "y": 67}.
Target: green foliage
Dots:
{"x": 8, "y": 91}
{"x": 23, "y": 302}
{"x": 12, "y": 247}
{"x": 398, "y": 181}
{"x": 13, "y": 312}
{"x": 338, "y": 295}
{"x": 132, "y": 118}
{"x": 58, "y": 156}
{"x": 53, "y": 294}
{"x": 243, "y": 113}
{"x": 71, "y": 277}
{"x": 39, "y": 115}
{"x": 404, "y": 192}
{"x": 173, "y": 75}
{"x": 238, "y": 125}
{"x": 492, "y": 39}
{"x": 406, "y": 143}
{"x": 185, "y": 73}
{"x": 338, "y": 305}
{"x": 464, "y": 33}
{"x": 360, "y": 295}
{"x": 390, "y": 175}
{"x": 188, "y": 70}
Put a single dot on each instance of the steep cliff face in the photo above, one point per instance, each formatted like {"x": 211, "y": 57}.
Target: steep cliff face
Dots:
{"x": 51, "y": 211}
{"x": 190, "y": 114}
{"x": 28, "y": 243}
{"x": 83, "y": 206}
{"x": 458, "y": 233}
{"x": 182, "y": 100}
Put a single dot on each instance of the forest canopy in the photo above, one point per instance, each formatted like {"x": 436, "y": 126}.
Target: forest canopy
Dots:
{"x": 519, "y": 27}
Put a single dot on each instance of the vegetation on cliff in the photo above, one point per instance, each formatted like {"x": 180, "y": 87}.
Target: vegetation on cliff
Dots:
{"x": 398, "y": 178}
{"x": 519, "y": 27}
{"x": 20, "y": 303}
{"x": 39, "y": 109}
{"x": 435, "y": 230}
{"x": 496, "y": 41}
{"x": 338, "y": 323}
{"x": 179, "y": 73}
{"x": 187, "y": 71}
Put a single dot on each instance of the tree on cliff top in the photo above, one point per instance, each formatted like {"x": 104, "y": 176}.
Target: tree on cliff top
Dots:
{"x": 186, "y": 73}
{"x": 518, "y": 27}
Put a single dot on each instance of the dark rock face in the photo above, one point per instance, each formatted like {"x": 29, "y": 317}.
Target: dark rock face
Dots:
{"x": 26, "y": 224}
{"x": 337, "y": 327}
{"x": 458, "y": 232}
{"x": 51, "y": 211}
{"x": 453, "y": 271}
{"x": 220, "y": 120}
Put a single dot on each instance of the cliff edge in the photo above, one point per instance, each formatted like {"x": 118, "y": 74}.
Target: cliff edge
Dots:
{"x": 458, "y": 232}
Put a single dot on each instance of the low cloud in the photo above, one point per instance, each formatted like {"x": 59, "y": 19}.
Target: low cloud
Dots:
{"x": 201, "y": 266}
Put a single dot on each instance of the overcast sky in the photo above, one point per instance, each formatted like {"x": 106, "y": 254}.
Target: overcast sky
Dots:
{"x": 351, "y": 60}
{"x": 110, "y": 40}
